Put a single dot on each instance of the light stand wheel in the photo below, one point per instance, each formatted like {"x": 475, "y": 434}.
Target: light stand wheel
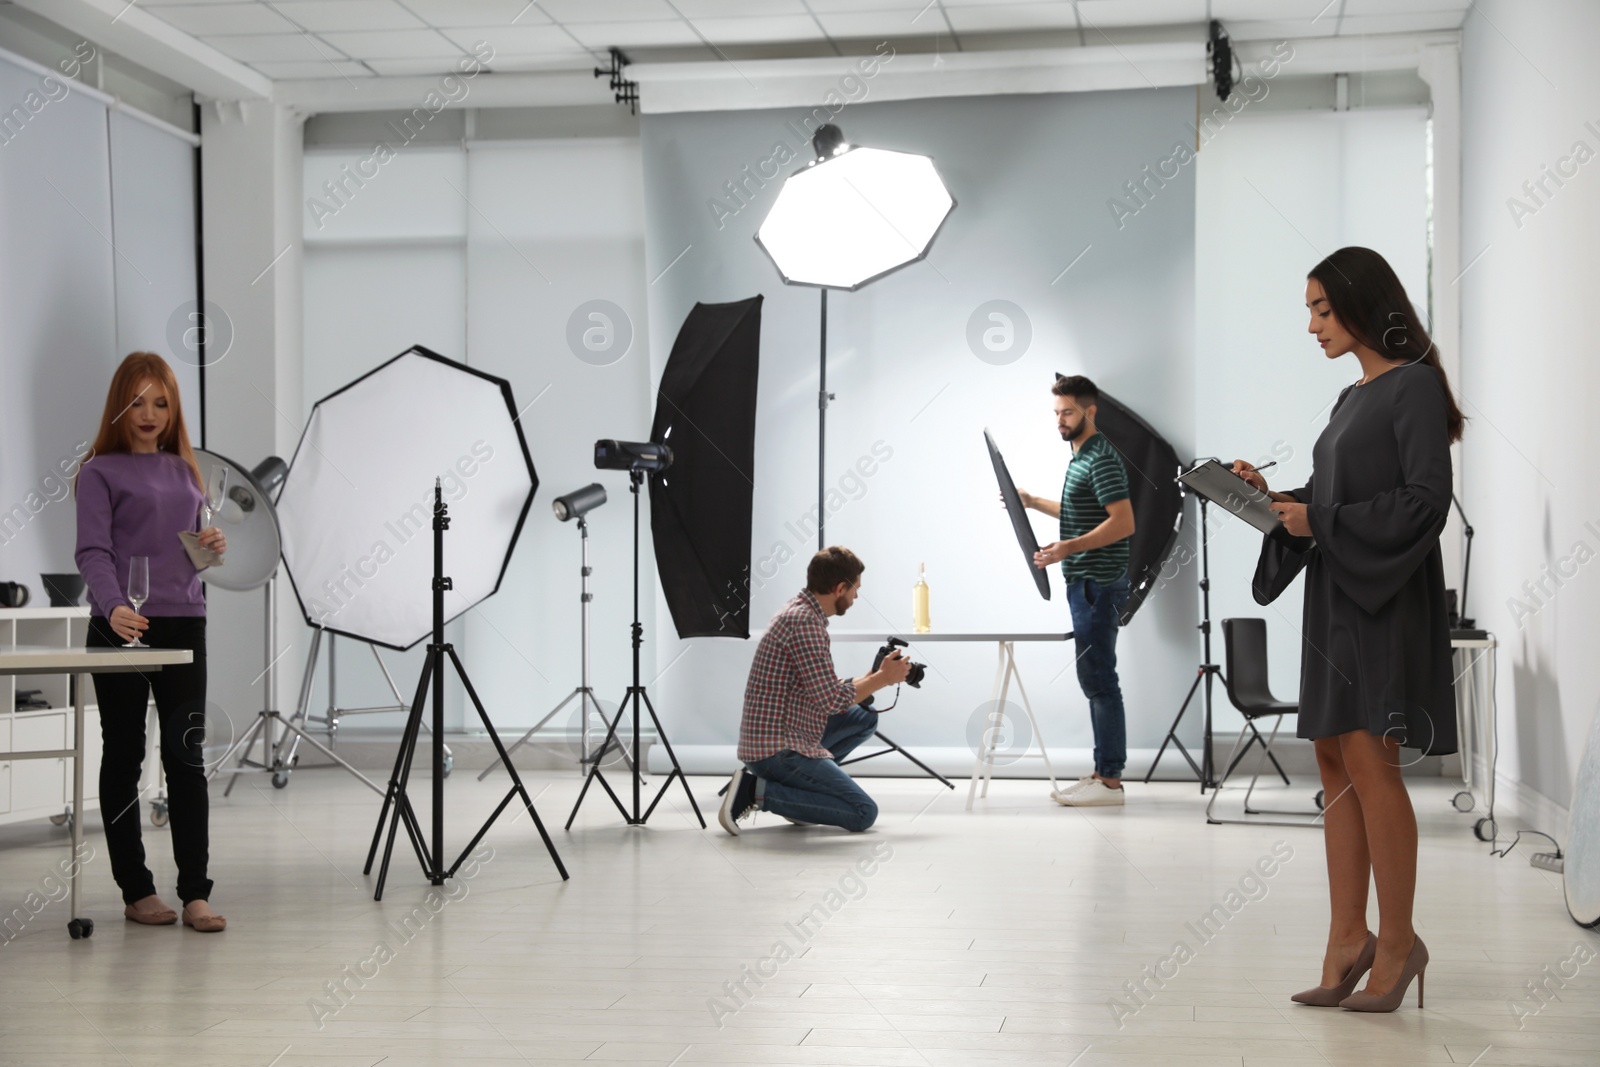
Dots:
{"x": 1319, "y": 799}
{"x": 158, "y": 813}
{"x": 1484, "y": 829}
{"x": 64, "y": 819}
{"x": 78, "y": 929}
{"x": 280, "y": 779}
{"x": 1463, "y": 801}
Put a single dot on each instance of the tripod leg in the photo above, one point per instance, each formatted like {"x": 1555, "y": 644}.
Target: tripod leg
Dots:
{"x": 676, "y": 769}
{"x": 531, "y": 731}
{"x": 407, "y": 739}
{"x": 929, "y": 771}
{"x": 243, "y": 747}
{"x": 516, "y": 779}
{"x": 594, "y": 772}
{"x": 1172, "y": 734}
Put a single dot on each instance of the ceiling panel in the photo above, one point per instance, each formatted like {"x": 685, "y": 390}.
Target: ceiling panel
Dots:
{"x": 1105, "y": 13}
{"x": 608, "y": 10}
{"x": 634, "y": 34}
{"x": 205, "y": 19}
{"x": 759, "y": 30}
{"x": 1354, "y": 25}
{"x": 898, "y": 23}
{"x": 274, "y": 46}
{"x": 351, "y": 15}
{"x": 998, "y": 18}
{"x": 709, "y": 9}
{"x": 456, "y": 13}
{"x": 393, "y": 44}
{"x": 520, "y": 40}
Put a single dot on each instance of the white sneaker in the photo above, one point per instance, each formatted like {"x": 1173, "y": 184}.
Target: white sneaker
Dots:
{"x": 1095, "y": 794}
{"x": 1065, "y": 791}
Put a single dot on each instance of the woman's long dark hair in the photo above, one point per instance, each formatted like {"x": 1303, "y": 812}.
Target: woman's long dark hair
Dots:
{"x": 1366, "y": 295}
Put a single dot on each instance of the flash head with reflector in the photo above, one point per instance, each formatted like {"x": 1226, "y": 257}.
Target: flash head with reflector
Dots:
{"x": 579, "y": 502}
{"x": 647, "y": 456}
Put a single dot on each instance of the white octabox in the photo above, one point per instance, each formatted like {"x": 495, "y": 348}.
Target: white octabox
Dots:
{"x": 356, "y": 510}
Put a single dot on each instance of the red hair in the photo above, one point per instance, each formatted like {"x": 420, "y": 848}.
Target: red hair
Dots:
{"x": 127, "y": 385}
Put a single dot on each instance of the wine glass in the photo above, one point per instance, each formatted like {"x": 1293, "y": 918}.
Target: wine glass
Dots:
{"x": 138, "y": 590}
{"x": 216, "y": 486}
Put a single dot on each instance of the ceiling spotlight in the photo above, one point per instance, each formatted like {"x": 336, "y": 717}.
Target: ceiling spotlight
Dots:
{"x": 579, "y": 502}
{"x": 828, "y": 141}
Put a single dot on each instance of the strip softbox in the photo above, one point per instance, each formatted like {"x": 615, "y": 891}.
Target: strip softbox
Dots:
{"x": 1152, "y": 466}
{"x": 701, "y": 507}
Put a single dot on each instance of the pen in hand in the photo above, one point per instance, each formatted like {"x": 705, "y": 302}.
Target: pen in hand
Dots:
{"x": 1264, "y": 466}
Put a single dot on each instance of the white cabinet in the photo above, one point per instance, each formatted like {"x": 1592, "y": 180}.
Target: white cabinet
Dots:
{"x": 36, "y": 789}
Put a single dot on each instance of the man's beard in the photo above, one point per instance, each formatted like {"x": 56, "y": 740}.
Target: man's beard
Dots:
{"x": 1075, "y": 433}
{"x": 840, "y": 609}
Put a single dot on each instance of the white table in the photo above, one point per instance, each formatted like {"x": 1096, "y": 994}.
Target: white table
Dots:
{"x": 38, "y": 659}
{"x": 1005, "y": 672}
{"x": 1475, "y": 724}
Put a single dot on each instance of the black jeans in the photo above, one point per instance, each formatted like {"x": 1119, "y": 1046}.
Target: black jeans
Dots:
{"x": 180, "y": 694}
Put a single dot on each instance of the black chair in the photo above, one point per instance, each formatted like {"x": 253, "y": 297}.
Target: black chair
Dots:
{"x": 1244, "y": 643}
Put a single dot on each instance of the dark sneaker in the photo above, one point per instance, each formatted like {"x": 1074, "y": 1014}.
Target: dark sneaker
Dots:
{"x": 739, "y": 802}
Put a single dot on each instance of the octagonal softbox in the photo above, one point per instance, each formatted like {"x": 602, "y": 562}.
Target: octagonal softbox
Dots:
{"x": 356, "y": 511}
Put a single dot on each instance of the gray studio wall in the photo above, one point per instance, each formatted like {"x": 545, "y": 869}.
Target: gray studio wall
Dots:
{"x": 1032, "y": 177}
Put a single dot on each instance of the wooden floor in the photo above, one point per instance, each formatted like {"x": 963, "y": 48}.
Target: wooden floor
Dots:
{"x": 1015, "y": 934}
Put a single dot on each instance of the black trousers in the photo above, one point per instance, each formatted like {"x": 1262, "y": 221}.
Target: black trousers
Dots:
{"x": 180, "y": 694}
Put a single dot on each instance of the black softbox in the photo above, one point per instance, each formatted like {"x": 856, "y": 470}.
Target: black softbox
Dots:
{"x": 1153, "y": 467}
{"x": 700, "y": 508}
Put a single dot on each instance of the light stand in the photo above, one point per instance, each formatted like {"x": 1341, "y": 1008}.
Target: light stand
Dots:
{"x": 584, "y": 693}
{"x": 1462, "y": 621}
{"x": 636, "y": 694}
{"x": 273, "y": 761}
{"x": 433, "y": 667}
{"x": 823, "y": 396}
{"x": 1206, "y": 672}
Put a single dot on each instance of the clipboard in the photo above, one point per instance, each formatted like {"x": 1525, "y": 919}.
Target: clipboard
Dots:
{"x": 1219, "y": 485}
{"x": 1019, "y": 517}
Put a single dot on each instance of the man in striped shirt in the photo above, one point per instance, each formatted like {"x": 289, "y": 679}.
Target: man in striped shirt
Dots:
{"x": 800, "y": 718}
{"x": 1096, "y": 522}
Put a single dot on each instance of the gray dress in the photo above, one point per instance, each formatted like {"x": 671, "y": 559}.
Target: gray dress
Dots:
{"x": 1376, "y": 652}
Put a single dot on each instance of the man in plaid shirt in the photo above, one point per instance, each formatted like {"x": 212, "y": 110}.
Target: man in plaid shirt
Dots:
{"x": 800, "y": 718}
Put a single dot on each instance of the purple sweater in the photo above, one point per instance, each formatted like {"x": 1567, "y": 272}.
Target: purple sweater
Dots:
{"x": 134, "y": 504}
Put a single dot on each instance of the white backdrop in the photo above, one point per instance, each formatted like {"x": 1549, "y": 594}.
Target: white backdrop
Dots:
{"x": 1275, "y": 193}
{"x": 74, "y": 179}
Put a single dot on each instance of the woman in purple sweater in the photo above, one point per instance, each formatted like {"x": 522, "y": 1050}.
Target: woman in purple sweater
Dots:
{"x": 140, "y": 487}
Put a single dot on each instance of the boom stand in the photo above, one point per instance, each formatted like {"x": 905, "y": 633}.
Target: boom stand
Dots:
{"x": 584, "y": 694}
{"x": 1206, "y": 672}
{"x": 396, "y": 803}
{"x": 636, "y": 694}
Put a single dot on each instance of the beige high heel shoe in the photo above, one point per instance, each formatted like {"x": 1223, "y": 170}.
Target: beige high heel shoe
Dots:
{"x": 1416, "y": 964}
{"x": 1332, "y": 996}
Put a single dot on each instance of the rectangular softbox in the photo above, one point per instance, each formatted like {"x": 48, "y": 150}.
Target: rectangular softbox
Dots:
{"x": 700, "y": 507}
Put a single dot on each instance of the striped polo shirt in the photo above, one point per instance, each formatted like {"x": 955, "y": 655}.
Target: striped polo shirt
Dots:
{"x": 1095, "y": 478}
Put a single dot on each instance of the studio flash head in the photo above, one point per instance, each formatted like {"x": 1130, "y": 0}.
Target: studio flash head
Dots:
{"x": 579, "y": 502}
{"x": 648, "y": 456}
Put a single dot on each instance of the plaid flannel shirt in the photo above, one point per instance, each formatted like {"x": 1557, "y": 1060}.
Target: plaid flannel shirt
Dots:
{"x": 792, "y": 688}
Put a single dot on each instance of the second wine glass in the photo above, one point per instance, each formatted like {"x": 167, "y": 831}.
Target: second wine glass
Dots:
{"x": 216, "y": 487}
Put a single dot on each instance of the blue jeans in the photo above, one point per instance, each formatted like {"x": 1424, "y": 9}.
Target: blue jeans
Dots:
{"x": 818, "y": 790}
{"x": 1096, "y": 607}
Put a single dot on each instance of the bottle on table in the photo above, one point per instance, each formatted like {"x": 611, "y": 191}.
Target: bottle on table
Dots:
{"x": 919, "y": 601}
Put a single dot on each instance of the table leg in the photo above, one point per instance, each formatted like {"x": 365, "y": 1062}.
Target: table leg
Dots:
{"x": 985, "y": 757}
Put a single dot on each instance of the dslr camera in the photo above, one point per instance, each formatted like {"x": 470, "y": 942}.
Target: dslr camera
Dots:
{"x": 913, "y": 679}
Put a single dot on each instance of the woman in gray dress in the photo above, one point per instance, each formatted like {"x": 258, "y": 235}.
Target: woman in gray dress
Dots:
{"x": 1376, "y": 673}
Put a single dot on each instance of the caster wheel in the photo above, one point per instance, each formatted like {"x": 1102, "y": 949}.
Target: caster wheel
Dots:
{"x": 80, "y": 928}
{"x": 1463, "y": 801}
{"x": 1484, "y": 829}
{"x": 1319, "y": 800}
{"x": 158, "y": 813}
{"x": 449, "y": 764}
{"x": 60, "y": 820}
{"x": 280, "y": 779}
